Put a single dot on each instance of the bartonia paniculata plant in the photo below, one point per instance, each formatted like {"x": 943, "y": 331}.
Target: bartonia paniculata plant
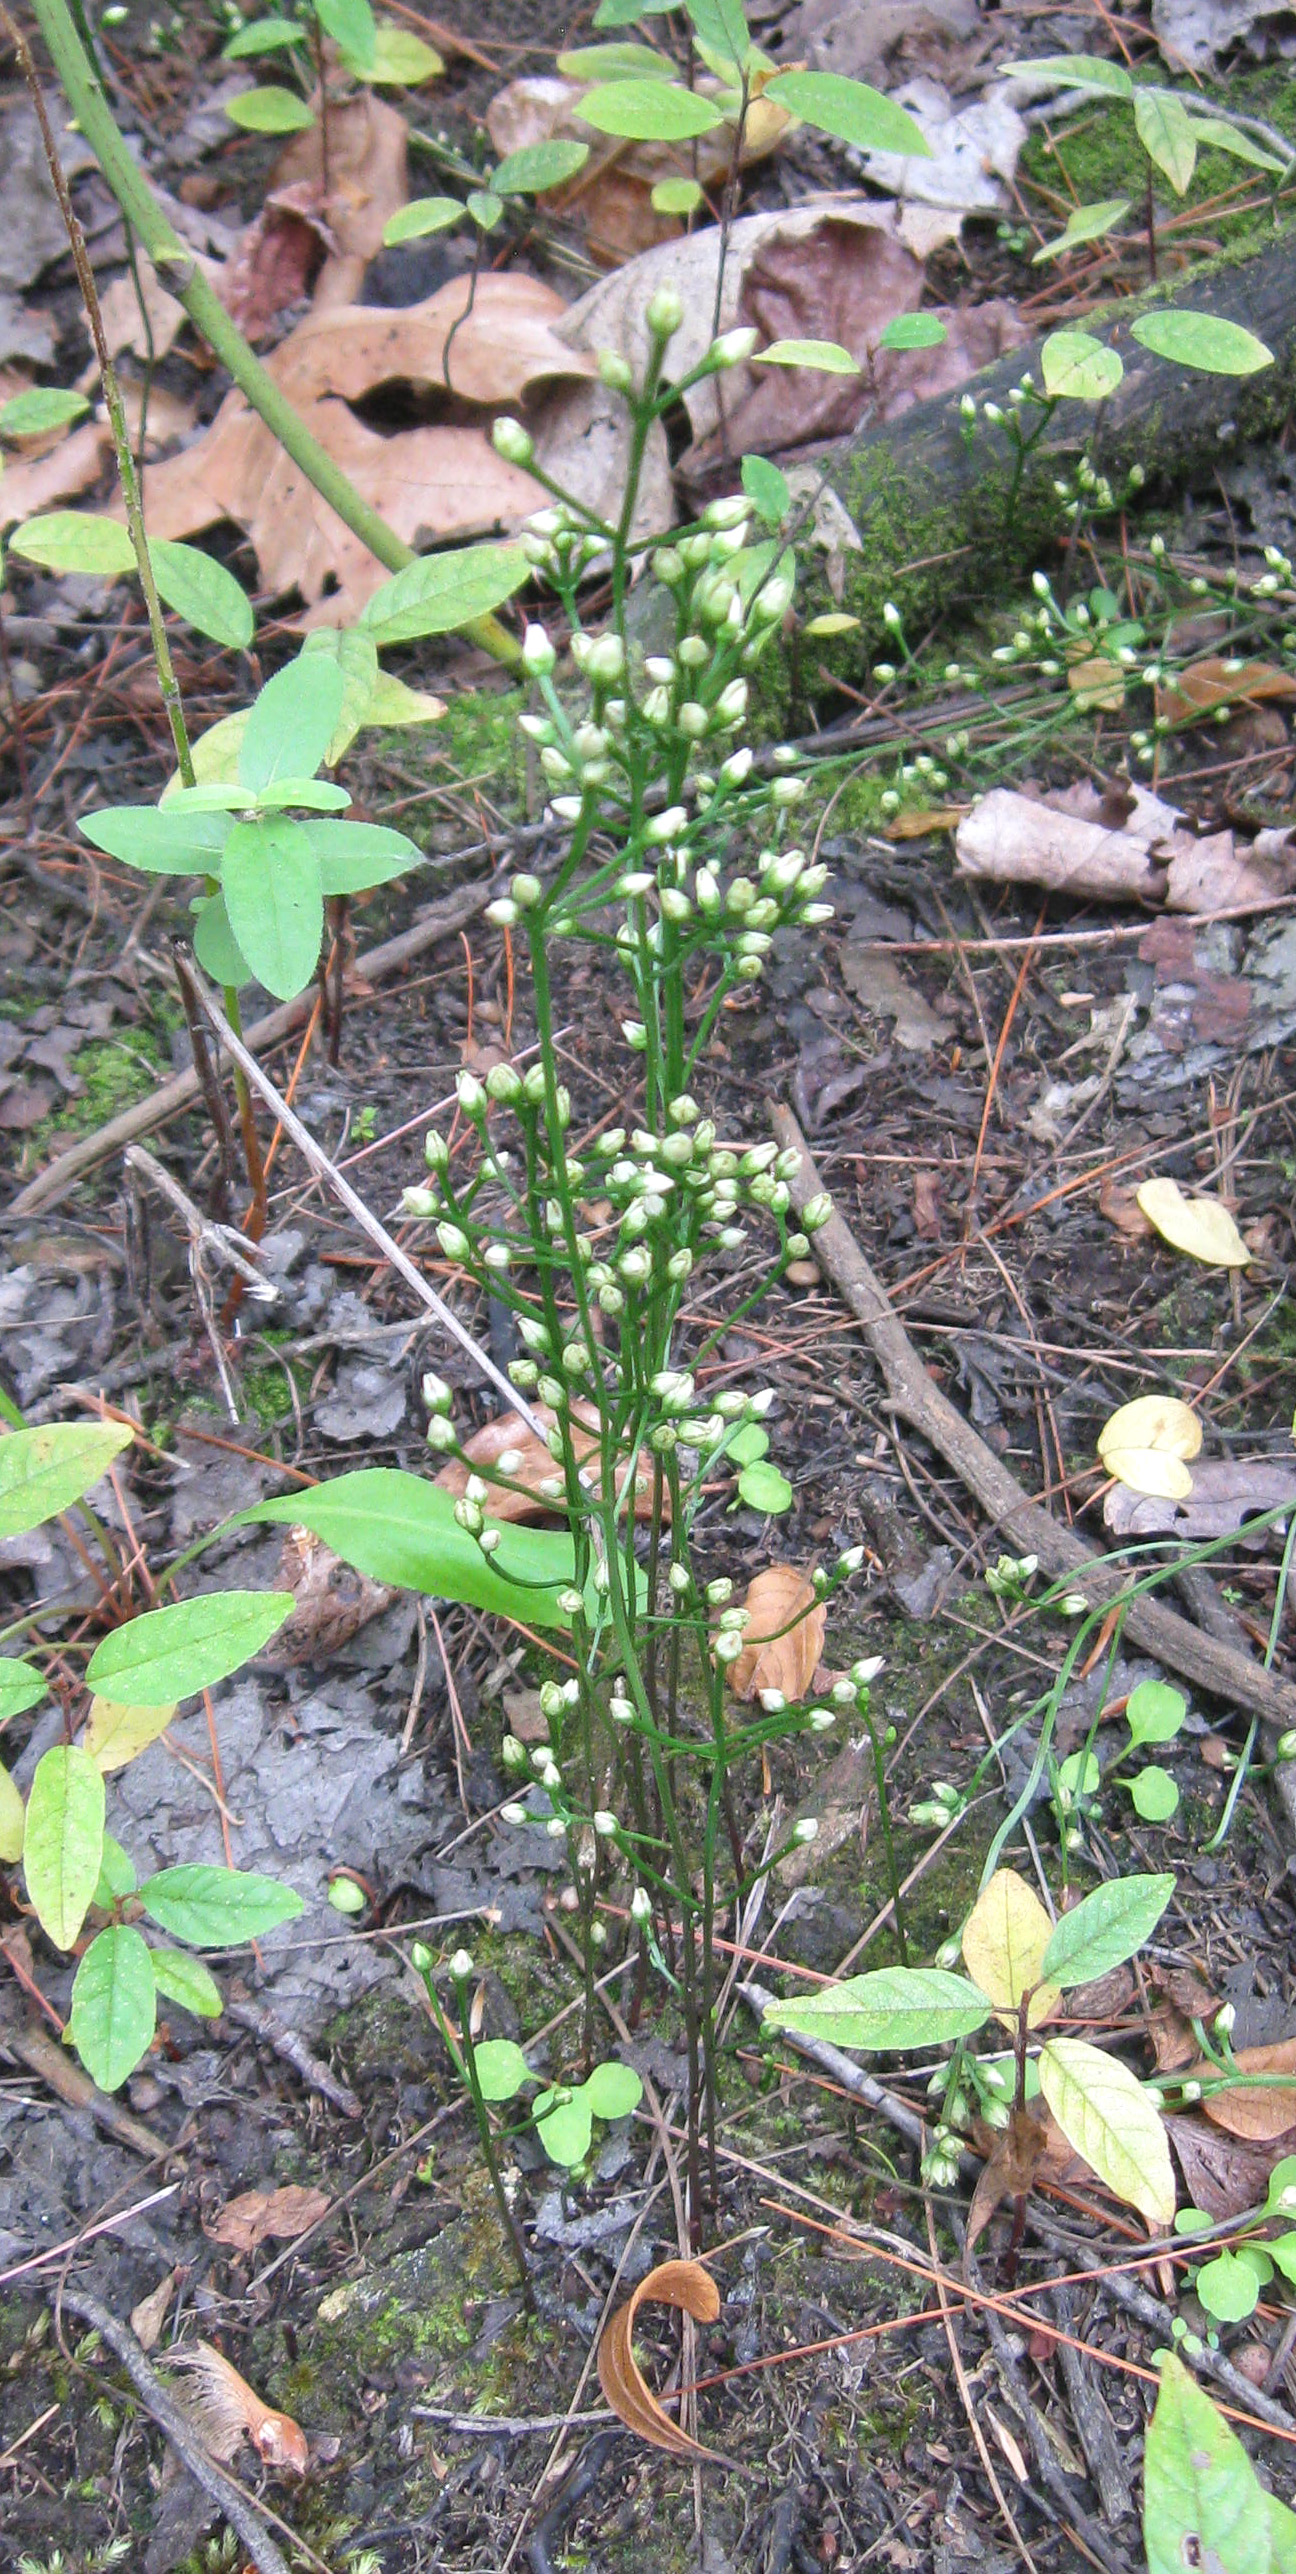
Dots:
{"x": 657, "y": 796}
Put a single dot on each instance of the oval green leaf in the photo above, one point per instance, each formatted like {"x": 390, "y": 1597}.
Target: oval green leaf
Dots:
{"x": 42, "y": 1471}
{"x": 401, "y": 1528}
{"x": 538, "y": 166}
{"x": 648, "y": 111}
{"x": 186, "y": 1981}
{"x": 501, "y": 2068}
{"x": 564, "y": 2124}
{"x": 443, "y": 591}
{"x": 1219, "y": 136}
{"x": 1106, "y": 2115}
{"x": 351, "y": 25}
{"x": 1110, "y": 1926}
{"x": 13, "y": 1820}
{"x": 269, "y": 111}
{"x": 271, "y": 883}
{"x": 1078, "y": 368}
{"x": 292, "y": 721}
{"x": 114, "y": 2005}
{"x": 1202, "y": 340}
{"x": 1202, "y": 2501}
{"x": 215, "y": 946}
{"x": 821, "y": 357}
{"x": 168, "y": 1654}
{"x": 21, "y": 1686}
{"x": 1154, "y": 1794}
{"x": 158, "y": 840}
{"x": 848, "y": 110}
{"x": 422, "y": 215}
{"x": 34, "y": 414}
{"x": 115, "y": 1735}
{"x": 914, "y": 331}
{"x": 1076, "y": 71}
{"x": 401, "y": 60}
{"x": 1088, "y": 223}
{"x": 1154, "y": 1712}
{"x": 485, "y": 207}
{"x": 677, "y": 197}
{"x": 353, "y": 856}
{"x": 117, "y": 1878}
{"x": 615, "y": 62}
{"x": 63, "y": 1843}
{"x": 1166, "y": 134}
{"x": 762, "y": 1487}
{"x": 203, "y": 593}
{"x": 264, "y": 36}
{"x": 895, "y": 2006}
{"x": 613, "y": 2090}
{"x": 218, "y": 1907}
{"x": 75, "y": 540}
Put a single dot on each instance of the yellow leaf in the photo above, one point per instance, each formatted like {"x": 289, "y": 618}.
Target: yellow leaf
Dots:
{"x": 1097, "y": 682}
{"x": 1202, "y": 1227}
{"x": 12, "y": 1818}
{"x": 115, "y": 1735}
{"x": 1004, "y": 1939}
{"x": 1159, "y": 1422}
{"x": 1104, "y": 2112}
{"x": 1147, "y": 1470}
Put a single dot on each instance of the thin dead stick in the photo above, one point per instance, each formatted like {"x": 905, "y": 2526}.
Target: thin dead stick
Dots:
{"x": 317, "y": 1159}
{"x": 228, "y": 2496}
{"x": 51, "y": 1186}
{"x": 1219, "y": 1668}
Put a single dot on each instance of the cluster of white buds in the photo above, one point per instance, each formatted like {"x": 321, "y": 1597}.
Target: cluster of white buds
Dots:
{"x": 941, "y": 1806}
{"x": 940, "y": 2164}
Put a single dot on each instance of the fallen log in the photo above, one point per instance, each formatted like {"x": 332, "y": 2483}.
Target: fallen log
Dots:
{"x": 925, "y": 515}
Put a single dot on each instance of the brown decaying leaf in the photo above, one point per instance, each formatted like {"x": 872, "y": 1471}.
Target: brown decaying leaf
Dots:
{"x": 780, "y": 1598}
{"x": 611, "y": 197}
{"x": 673, "y": 2283}
{"x": 1193, "y": 694}
{"x": 536, "y": 1468}
{"x": 148, "y": 2318}
{"x": 1224, "y": 2174}
{"x": 1227, "y": 1493}
{"x": 248, "y": 2221}
{"x": 35, "y": 483}
{"x": 1121, "y": 1208}
{"x": 367, "y": 184}
{"x": 227, "y": 2411}
{"x": 333, "y": 1601}
{"x": 1009, "y": 2172}
{"x": 1258, "y": 2114}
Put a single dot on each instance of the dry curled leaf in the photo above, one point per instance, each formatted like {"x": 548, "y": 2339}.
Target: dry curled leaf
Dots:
{"x": 247, "y": 2221}
{"x": 1014, "y": 2159}
{"x": 538, "y": 1472}
{"x": 1196, "y": 692}
{"x": 1203, "y": 1227}
{"x": 784, "y": 1636}
{"x": 333, "y": 1601}
{"x": 1224, "y": 2174}
{"x": 673, "y": 2283}
{"x": 148, "y": 2318}
{"x": 227, "y": 2411}
{"x": 1251, "y": 2111}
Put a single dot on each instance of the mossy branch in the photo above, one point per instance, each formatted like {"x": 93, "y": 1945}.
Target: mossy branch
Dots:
{"x": 94, "y": 118}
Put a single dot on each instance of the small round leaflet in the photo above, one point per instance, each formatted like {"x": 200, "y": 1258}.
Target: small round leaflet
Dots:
{"x": 1147, "y": 1443}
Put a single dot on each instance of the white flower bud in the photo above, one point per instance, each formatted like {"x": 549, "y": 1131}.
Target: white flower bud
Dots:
{"x": 503, "y": 913}
{"x": 511, "y": 441}
{"x": 665, "y": 313}
{"x": 454, "y": 1241}
{"x": 807, "y": 1830}
{"x": 614, "y": 371}
{"x": 514, "y": 1814}
{"x": 641, "y": 1905}
{"x": 441, "y": 1434}
{"x": 538, "y": 655}
{"x": 730, "y": 350}
{"x": 816, "y": 1212}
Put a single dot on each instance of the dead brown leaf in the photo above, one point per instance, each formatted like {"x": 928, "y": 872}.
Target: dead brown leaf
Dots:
{"x": 1196, "y": 692}
{"x": 248, "y": 2221}
{"x": 333, "y": 1601}
{"x": 610, "y": 199}
{"x": 1224, "y": 2174}
{"x": 148, "y": 2318}
{"x": 1213, "y": 875}
{"x": 276, "y": 259}
{"x": 227, "y": 2411}
{"x": 536, "y": 1469}
{"x": 784, "y": 1637}
{"x": 926, "y": 1205}
{"x": 1260, "y": 2115}
{"x": 1096, "y": 682}
{"x": 367, "y": 184}
{"x": 1009, "y": 2170}
{"x": 920, "y": 824}
{"x": 126, "y": 327}
{"x": 1018, "y": 839}
{"x": 1227, "y": 1492}
{"x": 34, "y": 483}
{"x": 684, "y": 2284}
{"x": 1121, "y": 1208}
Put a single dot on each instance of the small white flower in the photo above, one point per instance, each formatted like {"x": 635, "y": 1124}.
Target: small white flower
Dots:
{"x": 461, "y": 1965}
{"x": 807, "y": 1830}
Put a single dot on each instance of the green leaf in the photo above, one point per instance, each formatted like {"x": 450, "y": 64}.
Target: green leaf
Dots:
{"x": 1282, "y": 2252}
{"x": 186, "y": 1981}
{"x": 833, "y": 621}
{"x": 114, "y": 1735}
{"x": 1166, "y": 134}
{"x": 1110, "y": 1925}
{"x": 269, "y": 111}
{"x": 315, "y": 795}
{"x": 422, "y": 215}
{"x": 1154, "y": 1712}
{"x": 157, "y": 840}
{"x": 1282, "y": 2535}
{"x": 443, "y": 591}
{"x": 401, "y": 60}
{"x": 1080, "y": 1773}
{"x": 1088, "y": 223}
{"x": 351, "y": 25}
{"x": 352, "y": 856}
{"x": 393, "y": 703}
{"x": 401, "y": 1528}
{"x": 63, "y": 1844}
{"x": 42, "y": 1471}
{"x": 539, "y": 166}
{"x": 356, "y": 656}
{"x": 46, "y": 407}
{"x": 895, "y": 2006}
{"x": 1219, "y": 136}
{"x": 114, "y": 2005}
{"x": 613, "y": 2090}
{"x": 624, "y": 13}
{"x": 168, "y": 1654}
{"x": 1078, "y": 368}
{"x": 1202, "y": 2504}
{"x": 721, "y": 26}
{"x": 264, "y": 36}
{"x": 564, "y": 2124}
{"x": 117, "y": 1878}
{"x": 501, "y": 2068}
{"x": 13, "y": 1820}
{"x": 677, "y": 197}
{"x": 1281, "y": 2198}
{"x": 75, "y": 540}
{"x": 648, "y": 111}
{"x": 217, "y": 1907}
{"x": 21, "y": 1686}
{"x": 615, "y": 62}
{"x": 215, "y": 946}
{"x": 1154, "y": 1794}
{"x": 913, "y": 331}
{"x": 822, "y": 357}
{"x": 1076, "y": 71}
{"x": 485, "y": 209}
{"x": 848, "y": 110}
{"x": 1202, "y": 340}
{"x": 271, "y": 884}
{"x": 1228, "y": 2288}
{"x": 292, "y": 722}
{"x": 769, "y": 487}
{"x": 762, "y": 1487}
{"x": 747, "y": 1443}
{"x": 211, "y": 795}
{"x": 202, "y": 592}
{"x": 1105, "y": 2113}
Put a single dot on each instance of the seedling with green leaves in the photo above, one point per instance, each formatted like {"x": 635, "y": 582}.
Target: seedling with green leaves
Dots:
{"x": 74, "y": 1872}
{"x": 378, "y": 53}
{"x": 1154, "y": 1713}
